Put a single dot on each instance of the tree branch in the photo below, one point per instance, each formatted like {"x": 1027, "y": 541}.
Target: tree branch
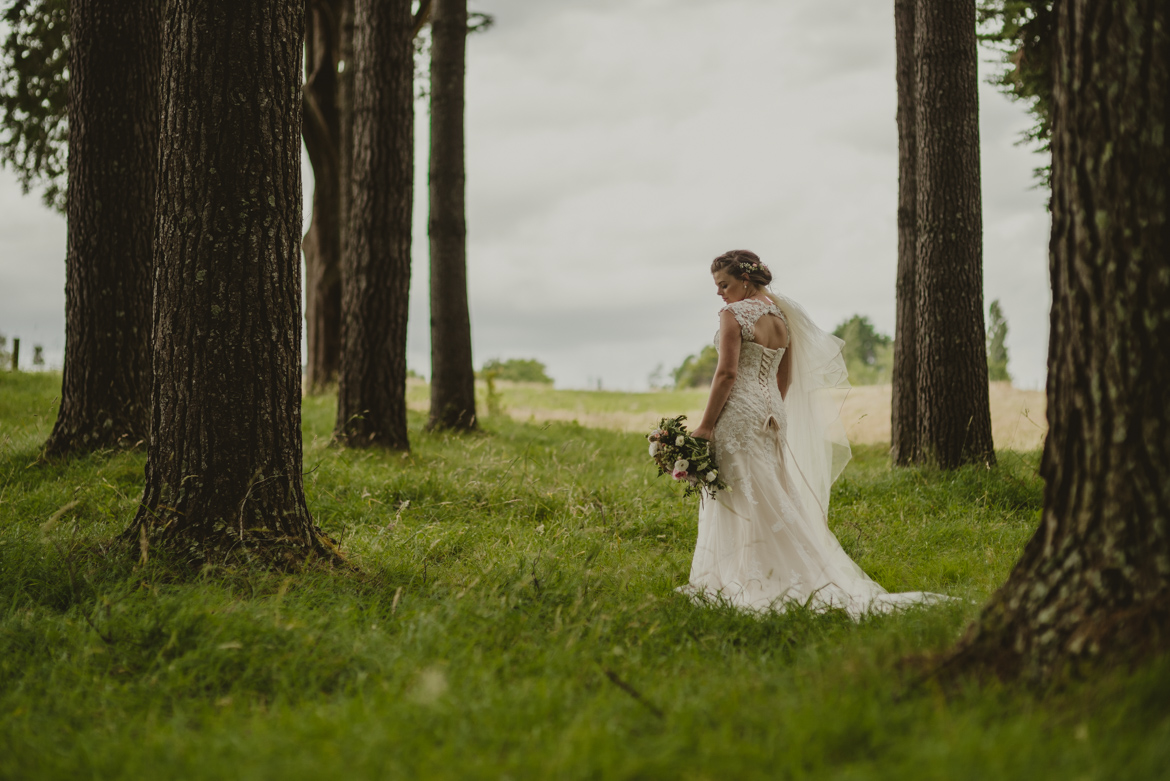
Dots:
{"x": 422, "y": 17}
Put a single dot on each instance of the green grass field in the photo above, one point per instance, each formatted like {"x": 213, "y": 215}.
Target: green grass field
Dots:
{"x": 512, "y": 616}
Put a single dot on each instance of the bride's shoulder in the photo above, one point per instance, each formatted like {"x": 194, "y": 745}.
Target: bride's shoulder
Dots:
{"x": 739, "y": 306}
{"x": 747, "y": 305}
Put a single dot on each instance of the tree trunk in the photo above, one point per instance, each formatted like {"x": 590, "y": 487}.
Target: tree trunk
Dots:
{"x": 371, "y": 405}
{"x": 322, "y": 243}
{"x": 113, "y": 147}
{"x": 452, "y": 372}
{"x": 223, "y": 472}
{"x": 345, "y": 134}
{"x": 954, "y": 412}
{"x": 904, "y": 406}
{"x": 1094, "y": 581}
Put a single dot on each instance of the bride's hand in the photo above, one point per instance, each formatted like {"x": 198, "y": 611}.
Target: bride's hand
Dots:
{"x": 702, "y": 432}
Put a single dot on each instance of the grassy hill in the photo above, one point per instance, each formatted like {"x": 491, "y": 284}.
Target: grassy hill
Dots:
{"x": 512, "y": 614}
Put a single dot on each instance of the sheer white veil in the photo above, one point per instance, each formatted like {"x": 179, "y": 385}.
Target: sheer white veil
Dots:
{"x": 817, "y": 445}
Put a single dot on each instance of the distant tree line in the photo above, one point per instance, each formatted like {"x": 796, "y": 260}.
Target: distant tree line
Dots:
{"x": 869, "y": 354}
{"x": 697, "y": 370}
{"x": 515, "y": 370}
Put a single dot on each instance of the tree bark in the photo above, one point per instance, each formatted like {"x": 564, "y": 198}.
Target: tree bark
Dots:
{"x": 322, "y": 244}
{"x": 954, "y": 412}
{"x": 223, "y": 471}
{"x": 345, "y": 129}
{"x": 1094, "y": 581}
{"x": 371, "y": 406}
{"x": 113, "y": 146}
{"x": 452, "y": 371}
{"x": 904, "y": 406}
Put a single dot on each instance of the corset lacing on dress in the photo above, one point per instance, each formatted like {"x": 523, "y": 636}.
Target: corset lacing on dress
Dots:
{"x": 755, "y": 402}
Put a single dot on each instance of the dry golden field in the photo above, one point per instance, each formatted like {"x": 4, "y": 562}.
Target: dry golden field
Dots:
{"x": 1017, "y": 416}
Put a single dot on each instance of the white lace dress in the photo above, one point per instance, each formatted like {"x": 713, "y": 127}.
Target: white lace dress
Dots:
{"x": 758, "y": 546}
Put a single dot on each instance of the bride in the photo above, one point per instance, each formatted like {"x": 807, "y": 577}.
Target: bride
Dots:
{"x": 777, "y": 437}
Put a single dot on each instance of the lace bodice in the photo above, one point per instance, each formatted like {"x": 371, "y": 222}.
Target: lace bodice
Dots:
{"x": 747, "y": 312}
{"x": 753, "y": 419}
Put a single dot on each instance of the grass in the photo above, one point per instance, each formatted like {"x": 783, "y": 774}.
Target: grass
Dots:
{"x": 537, "y": 403}
{"x": 513, "y": 616}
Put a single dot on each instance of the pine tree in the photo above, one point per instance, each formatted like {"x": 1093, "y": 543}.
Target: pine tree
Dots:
{"x": 371, "y": 406}
{"x": 322, "y": 245}
{"x": 452, "y": 371}
{"x": 34, "y": 95}
{"x": 953, "y": 409}
{"x": 223, "y": 471}
{"x": 904, "y": 377}
{"x": 113, "y": 142}
{"x": 1094, "y": 581}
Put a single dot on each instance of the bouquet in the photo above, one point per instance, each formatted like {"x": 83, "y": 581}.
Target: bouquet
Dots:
{"x": 685, "y": 458}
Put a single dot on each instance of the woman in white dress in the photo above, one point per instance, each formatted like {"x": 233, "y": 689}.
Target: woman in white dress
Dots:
{"x": 776, "y": 433}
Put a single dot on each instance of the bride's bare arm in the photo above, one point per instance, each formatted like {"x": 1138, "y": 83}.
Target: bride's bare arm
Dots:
{"x": 784, "y": 376}
{"x": 725, "y": 372}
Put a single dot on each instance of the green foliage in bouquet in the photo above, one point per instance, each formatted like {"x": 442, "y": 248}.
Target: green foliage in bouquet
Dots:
{"x": 686, "y": 458}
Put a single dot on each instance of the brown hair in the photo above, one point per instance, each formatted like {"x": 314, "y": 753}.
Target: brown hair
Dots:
{"x": 743, "y": 264}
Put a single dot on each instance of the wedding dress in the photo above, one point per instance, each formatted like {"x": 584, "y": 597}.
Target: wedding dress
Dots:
{"x": 766, "y": 543}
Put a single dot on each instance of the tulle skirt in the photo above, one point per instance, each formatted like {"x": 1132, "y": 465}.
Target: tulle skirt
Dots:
{"x": 760, "y": 549}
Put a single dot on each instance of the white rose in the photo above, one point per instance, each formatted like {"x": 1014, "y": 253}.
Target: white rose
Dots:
{"x": 679, "y": 440}
{"x": 681, "y": 465}
{"x": 711, "y": 476}
{"x": 653, "y": 448}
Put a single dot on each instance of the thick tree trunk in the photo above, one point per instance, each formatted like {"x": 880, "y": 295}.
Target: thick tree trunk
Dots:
{"x": 904, "y": 406}
{"x": 113, "y": 147}
{"x": 322, "y": 243}
{"x": 954, "y": 412}
{"x": 371, "y": 405}
{"x": 1095, "y": 579}
{"x": 452, "y": 372}
{"x": 344, "y": 128}
{"x": 223, "y": 472}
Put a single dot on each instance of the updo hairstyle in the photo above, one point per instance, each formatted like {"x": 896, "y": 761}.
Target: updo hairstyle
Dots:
{"x": 743, "y": 264}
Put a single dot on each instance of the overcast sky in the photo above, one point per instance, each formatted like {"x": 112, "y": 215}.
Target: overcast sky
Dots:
{"x": 614, "y": 148}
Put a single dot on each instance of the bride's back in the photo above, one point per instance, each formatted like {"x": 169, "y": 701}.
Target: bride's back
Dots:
{"x": 770, "y": 332}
